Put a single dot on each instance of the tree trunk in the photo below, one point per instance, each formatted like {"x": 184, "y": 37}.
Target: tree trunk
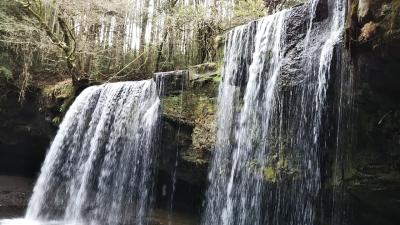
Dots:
{"x": 171, "y": 5}
{"x": 145, "y": 19}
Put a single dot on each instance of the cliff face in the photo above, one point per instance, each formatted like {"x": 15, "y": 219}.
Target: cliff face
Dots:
{"x": 189, "y": 114}
{"x": 372, "y": 161}
{"x": 25, "y": 133}
{"x": 374, "y": 44}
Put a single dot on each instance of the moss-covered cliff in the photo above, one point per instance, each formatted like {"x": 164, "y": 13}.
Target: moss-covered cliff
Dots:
{"x": 189, "y": 115}
{"x": 374, "y": 175}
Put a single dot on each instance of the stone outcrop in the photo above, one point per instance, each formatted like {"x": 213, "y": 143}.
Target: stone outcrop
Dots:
{"x": 189, "y": 121}
{"x": 374, "y": 176}
{"x": 374, "y": 42}
{"x": 25, "y": 133}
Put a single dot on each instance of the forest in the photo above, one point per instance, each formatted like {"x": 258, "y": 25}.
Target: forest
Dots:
{"x": 115, "y": 40}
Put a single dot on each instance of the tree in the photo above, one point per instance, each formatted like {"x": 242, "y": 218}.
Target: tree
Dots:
{"x": 276, "y": 5}
{"x": 117, "y": 39}
{"x": 65, "y": 39}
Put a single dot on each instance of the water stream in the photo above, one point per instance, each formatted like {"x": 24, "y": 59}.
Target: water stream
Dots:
{"x": 236, "y": 190}
{"x": 100, "y": 166}
{"x": 271, "y": 139}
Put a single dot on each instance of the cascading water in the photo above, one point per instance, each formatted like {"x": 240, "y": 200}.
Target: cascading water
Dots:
{"x": 304, "y": 130}
{"x": 100, "y": 166}
{"x": 161, "y": 79}
{"x": 271, "y": 142}
{"x": 236, "y": 190}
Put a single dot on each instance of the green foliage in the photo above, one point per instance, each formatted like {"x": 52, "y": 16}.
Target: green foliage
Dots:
{"x": 16, "y": 27}
{"x": 246, "y": 11}
{"x": 269, "y": 174}
{"x": 56, "y": 120}
{"x": 61, "y": 90}
{"x": 185, "y": 35}
{"x": 66, "y": 104}
{"x": 194, "y": 157}
{"x": 6, "y": 73}
{"x": 6, "y": 66}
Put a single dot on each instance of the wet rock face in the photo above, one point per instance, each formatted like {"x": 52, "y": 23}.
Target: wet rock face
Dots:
{"x": 374, "y": 43}
{"x": 189, "y": 122}
{"x": 27, "y": 129}
{"x": 25, "y": 134}
{"x": 321, "y": 12}
{"x": 292, "y": 68}
{"x": 374, "y": 177}
{"x": 173, "y": 81}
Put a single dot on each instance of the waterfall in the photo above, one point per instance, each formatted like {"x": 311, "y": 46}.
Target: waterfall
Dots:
{"x": 271, "y": 138}
{"x": 100, "y": 166}
{"x": 170, "y": 78}
{"x": 235, "y": 192}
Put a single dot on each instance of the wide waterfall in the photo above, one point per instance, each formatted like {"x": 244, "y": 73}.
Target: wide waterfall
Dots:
{"x": 267, "y": 164}
{"x": 100, "y": 166}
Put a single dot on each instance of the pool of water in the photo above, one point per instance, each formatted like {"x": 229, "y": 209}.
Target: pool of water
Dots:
{"x": 158, "y": 217}
{"x": 14, "y": 197}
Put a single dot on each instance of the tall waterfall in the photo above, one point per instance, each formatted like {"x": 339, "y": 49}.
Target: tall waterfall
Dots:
{"x": 267, "y": 163}
{"x": 100, "y": 166}
{"x": 235, "y": 192}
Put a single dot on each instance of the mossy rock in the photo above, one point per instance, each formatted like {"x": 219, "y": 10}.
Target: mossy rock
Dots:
{"x": 204, "y": 68}
{"x": 6, "y": 73}
{"x": 269, "y": 174}
{"x": 196, "y": 110}
{"x": 195, "y": 106}
{"x": 56, "y": 99}
{"x": 60, "y": 90}
{"x": 376, "y": 23}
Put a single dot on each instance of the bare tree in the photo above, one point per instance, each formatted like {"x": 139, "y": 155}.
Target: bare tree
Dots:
{"x": 67, "y": 41}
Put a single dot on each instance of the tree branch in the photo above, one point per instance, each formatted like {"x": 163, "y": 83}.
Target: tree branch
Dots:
{"x": 68, "y": 45}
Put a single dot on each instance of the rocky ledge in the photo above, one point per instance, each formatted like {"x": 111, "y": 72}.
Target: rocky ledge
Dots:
{"x": 189, "y": 121}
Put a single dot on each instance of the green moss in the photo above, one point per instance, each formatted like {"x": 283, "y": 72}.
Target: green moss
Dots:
{"x": 6, "y": 73}
{"x": 277, "y": 166}
{"x": 269, "y": 174}
{"x": 194, "y": 157}
{"x": 180, "y": 107}
{"x": 56, "y": 120}
{"x": 187, "y": 107}
{"x": 393, "y": 19}
{"x": 67, "y": 103}
{"x": 253, "y": 164}
{"x": 196, "y": 107}
{"x": 60, "y": 93}
{"x": 193, "y": 103}
{"x": 62, "y": 89}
